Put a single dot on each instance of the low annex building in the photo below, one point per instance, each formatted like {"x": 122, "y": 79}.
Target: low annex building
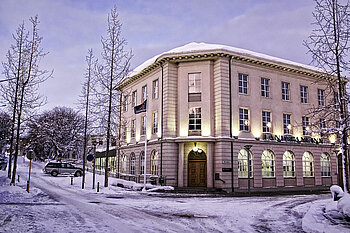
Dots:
{"x": 225, "y": 118}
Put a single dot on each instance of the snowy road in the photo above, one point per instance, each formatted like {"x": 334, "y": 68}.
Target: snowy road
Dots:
{"x": 53, "y": 205}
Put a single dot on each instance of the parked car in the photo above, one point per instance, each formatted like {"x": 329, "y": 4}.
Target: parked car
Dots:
{"x": 3, "y": 162}
{"x": 54, "y": 169}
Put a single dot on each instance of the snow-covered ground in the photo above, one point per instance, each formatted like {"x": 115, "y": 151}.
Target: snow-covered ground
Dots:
{"x": 54, "y": 205}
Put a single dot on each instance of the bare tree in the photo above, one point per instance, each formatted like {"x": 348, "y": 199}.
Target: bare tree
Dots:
{"x": 22, "y": 95}
{"x": 115, "y": 66}
{"x": 328, "y": 45}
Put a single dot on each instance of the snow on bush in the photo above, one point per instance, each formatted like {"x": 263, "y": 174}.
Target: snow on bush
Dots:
{"x": 343, "y": 199}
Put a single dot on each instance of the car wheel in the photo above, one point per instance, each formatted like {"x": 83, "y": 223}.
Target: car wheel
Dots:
{"x": 77, "y": 173}
{"x": 54, "y": 173}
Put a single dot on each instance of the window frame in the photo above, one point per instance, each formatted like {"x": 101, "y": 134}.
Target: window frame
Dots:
{"x": 143, "y": 125}
{"x": 144, "y": 93}
{"x": 155, "y": 84}
{"x": 285, "y": 91}
{"x": 305, "y": 121}
{"x": 155, "y": 122}
{"x": 304, "y": 94}
{"x": 287, "y": 122}
{"x": 265, "y": 120}
{"x": 133, "y": 128}
{"x": 134, "y": 98}
{"x": 243, "y": 84}
{"x": 325, "y": 161}
{"x": 132, "y": 163}
{"x": 308, "y": 165}
{"x": 242, "y": 160}
{"x": 288, "y": 162}
{"x": 154, "y": 163}
{"x": 196, "y": 121}
{"x": 268, "y": 169}
{"x": 320, "y": 97}
{"x": 265, "y": 87}
{"x": 242, "y": 126}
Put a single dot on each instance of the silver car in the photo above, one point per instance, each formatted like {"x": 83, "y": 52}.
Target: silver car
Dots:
{"x": 62, "y": 168}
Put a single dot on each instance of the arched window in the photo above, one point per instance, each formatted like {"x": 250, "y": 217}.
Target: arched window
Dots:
{"x": 154, "y": 162}
{"x": 288, "y": 164}
{"x": 268, "y": 164}
{"x": 308, "y": 165}
{"x": 142, "y": 162}
{"x": 325, "y": 165}
{"x": 243, "y": 164}
{"x": 123, "y": 170}
{"x": 132, "y": 163}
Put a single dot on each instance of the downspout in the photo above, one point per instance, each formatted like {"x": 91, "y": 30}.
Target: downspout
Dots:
{"x": 161, "y": 128}
{"x": 230, "y": 91}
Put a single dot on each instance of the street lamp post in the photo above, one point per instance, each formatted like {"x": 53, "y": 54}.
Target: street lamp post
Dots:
{"x": 247, "y": 147}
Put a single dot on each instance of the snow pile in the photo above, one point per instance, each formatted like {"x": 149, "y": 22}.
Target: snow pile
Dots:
{"x": 343, "y": 199}
{"x": 138, "y": 186}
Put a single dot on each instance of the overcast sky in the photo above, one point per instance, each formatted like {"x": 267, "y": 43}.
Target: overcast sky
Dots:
{"x": 70, "y": 27}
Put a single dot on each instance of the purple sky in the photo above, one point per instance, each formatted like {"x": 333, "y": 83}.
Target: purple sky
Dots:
{"x": 71, "y": 27}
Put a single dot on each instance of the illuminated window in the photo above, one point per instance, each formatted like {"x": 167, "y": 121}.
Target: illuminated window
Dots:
{"x": 195, "y": 119}
{"x": 285, "y": 91}
{"x": 305, "y": 124}
{"x": 132, "y": 163}
{"x": 288, "y": 164}
{"x": 142, "y": 162}
{"x": 143, "y": 126}
{"x": 243, "y": 83}
{"x": 287, "y": 127}
{"x": 154, "y": 162}
{"x": 268, "y": 164}
{"x": 134, "y": 98}
{"x": 308, "y": 165}
{"x": 155, "y": 122}
{"x": 243, "y": 119}
{"x": 144, "y": 93}
{"x": 266, "y": 121}
{"x": 243, "y": 164}
{"x": 265, "y": 87}
{"x": 124, "y": 167}
{"x": 194, "y": 83}
{"x": 125, "y": 103}
{"x": 325, "y": 165}
{"x": 133, "y": 128}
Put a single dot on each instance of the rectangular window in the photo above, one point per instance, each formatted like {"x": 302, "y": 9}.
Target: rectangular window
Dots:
{"x": 125, "y": 103}
{"x": 243, "y": 83}
{"x": 266, "y": 122}
{"x": 336, "y": 100}
{"x": 144, "y": 93}
{"x": 243, "y": 119}
{"x": 305, "y": 123}
{"x": 133, "y": 128}
{"x": 320, "y": 94}
{"x": 287, "y": 127}
{"x": 194, "y": 83}
{"x": 143, "y": 126}
{"x": 155, "y": 122}
{"x": 195, "y": 119}
{"x": 303, "y": 94}
{"x": 265, "y": 87}
{"x": 285, "y": 91}
{"x": 322, "y": 123}
{"x": 134, "y": 98}
{"x": 124, "y": 131}
{"x": 155, "y": 89}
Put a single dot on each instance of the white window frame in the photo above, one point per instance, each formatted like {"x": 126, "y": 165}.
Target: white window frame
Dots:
{"x": 154, "y": 163}
{"x": 143, "y": 125}
{"x": 268, "y": 164}
{"x": 287, "y": 121}
{"x": 304, "y": 94}
{"x": 288, "y": 164}
{"x": 243, "y": 164}
{"x": 155, "y": 122}
{"x": 305, "y": 123}
{"x": 243, "y": 84}
{"x": 266, "y": 118}
{"x": 308, "y": 164}
{"x": 134, "y": 98}
{"x": 144, "y": 93}
{"x": 155, "y": 89}
{"x": 195, "y": 119}
{"x": 325, "y": 165}
{"x": 132, "y": 163}
{"x": 243, "y": 118}
{"x": 285, "y": 91}
{"x": 265, "y": 87}
{"x": 194, "y": 83}
{"x": 133, "y": 128}
{"x": 320, "y": 97}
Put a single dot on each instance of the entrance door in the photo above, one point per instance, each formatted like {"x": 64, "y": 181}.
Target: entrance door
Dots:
{"x": 197, "y": 169}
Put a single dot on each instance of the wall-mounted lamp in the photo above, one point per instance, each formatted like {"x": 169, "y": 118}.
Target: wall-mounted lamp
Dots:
{"x": 269, "y": 125}
{"x": 246, "y": 122}
{"x": 289, "y": 126}
{"x": 195, "y": 148}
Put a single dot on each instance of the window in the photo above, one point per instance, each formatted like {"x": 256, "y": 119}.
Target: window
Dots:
{"x": 266, "y": 122}
{"x": 243, "y": 83}
{"x": 288, "y": 164}
{"x": 285, "y": 91}
{"x": 133, "y": 128}
{"x": 320, "y": 94}
{"x": 194, "y": 83}
{"x": 123, "y": 168}
{"x": 336, "y": 100}
{"x": 154, "y": 162}
{"x": 142, "y": 162}
{"x": 125, "y": 103}
{"x": 268, "y": 164}
{"x": 143, "y": 127}
{"x": 303, "y": 94}
{"x": 144, "y": 93}
{"x": 243, "y": 164}
{"x": 134, "y": 98}
{"x": 155, "y": 89}
{"x": 325, "y": 165}
{"x": 308, "y": 165}
{"x": 265, "y": 88}
{"x": 287, "y": 127}
{"x": 124, "y": 131}
{"x": 155, "y": 122}
{"x": 195, "y": 119}
{"x": 243, "y": 119}
{"x": 322, "y": 123}
{"x": 132, "y": 163}
{"x": 305, "y": 123}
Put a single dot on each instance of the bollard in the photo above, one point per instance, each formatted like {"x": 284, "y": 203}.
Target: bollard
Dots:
{"x": 28, "y": 186}
{"x": 98, "y": 186}
{"x": 18, "y": 179}
{"x": 71, "y": 180}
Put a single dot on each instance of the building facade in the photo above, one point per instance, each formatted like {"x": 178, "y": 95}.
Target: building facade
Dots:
{"x": 226, "y": 118}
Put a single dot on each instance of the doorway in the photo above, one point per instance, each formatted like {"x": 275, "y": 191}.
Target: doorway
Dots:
{"x": 197, "y": 169}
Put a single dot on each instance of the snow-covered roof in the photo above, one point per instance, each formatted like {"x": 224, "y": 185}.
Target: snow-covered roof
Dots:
{"x": 198, "y": 48}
